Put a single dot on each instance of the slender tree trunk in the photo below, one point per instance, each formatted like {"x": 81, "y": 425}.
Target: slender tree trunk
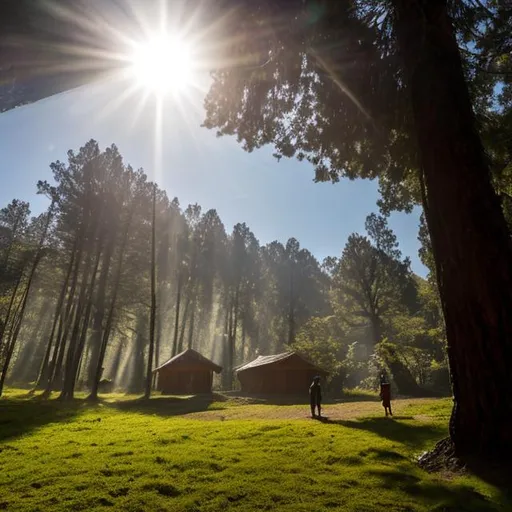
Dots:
{"x": 43, "y": 371}
{"x": 55, "y": 371}
{"x": 184, "y": 324}
{"x": 138, "y": 377}
{"x": 114, "y": 368}
{"x": 192, "y": 322}
{"x": 177, "y": 315}
{"x": 31, "y": 350}
{"x": 233, "y": 321}
{"x": 79, "y": 316}
{"x": 100, "y": 307}
{"x": 244, "y": 329}
{"x": 110, "y": 317}
{"x": 225, "y": 340}
{"x": 4, "y": 326}
{"x": 235, "y": 325}
{"x": 55, "y": 368}
{"x": 291, "y": 312}
{"x": 469, "y": 235}
{"x": 76, "y": 362}
{"x": 11, "y": 342}
{"x": 19, "y": 319}
{"x": 11, "y": 244}
{"x": 149, "y": 371}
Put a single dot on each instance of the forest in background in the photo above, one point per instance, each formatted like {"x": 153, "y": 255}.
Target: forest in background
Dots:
{"x": 76, "y": 294}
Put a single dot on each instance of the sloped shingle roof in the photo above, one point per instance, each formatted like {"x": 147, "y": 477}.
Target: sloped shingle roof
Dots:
{"x": 266, "y": 360}
{"x": 190, "y": 356}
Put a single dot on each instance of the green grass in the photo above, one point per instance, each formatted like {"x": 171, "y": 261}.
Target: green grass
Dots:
{"x": 204, "y": 454}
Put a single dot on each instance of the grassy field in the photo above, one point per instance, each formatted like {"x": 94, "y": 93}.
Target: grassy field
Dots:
{"x": 226, "y": 453}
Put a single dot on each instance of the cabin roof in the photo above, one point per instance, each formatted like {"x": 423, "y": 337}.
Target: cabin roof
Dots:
{"x": 268, "y": 360}
{"x": 190, "y": 356}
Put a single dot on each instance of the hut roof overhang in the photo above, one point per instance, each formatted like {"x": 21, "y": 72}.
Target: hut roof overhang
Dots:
{"x": 189, "y": 357}
{"x": 278, "y": 358}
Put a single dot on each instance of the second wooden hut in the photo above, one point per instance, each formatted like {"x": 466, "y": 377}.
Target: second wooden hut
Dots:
{"x": 286, "y": 373}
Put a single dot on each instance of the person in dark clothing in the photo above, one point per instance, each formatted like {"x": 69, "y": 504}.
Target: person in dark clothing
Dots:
{"x": 385, "y": 393}
{"x": 315, "y": 397}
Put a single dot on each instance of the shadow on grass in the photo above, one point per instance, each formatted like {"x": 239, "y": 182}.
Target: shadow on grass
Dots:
{"x": 168, "y": 405}
{"x": 413, "y": 435}
{"x": 354, "y": 396}
{"x": 22, "y": 416}
{"x": 498, "y": 476}
{"x": 440, "y": 497}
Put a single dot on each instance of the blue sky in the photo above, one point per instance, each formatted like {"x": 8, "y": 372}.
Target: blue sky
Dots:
{"x": 278, "y": 200}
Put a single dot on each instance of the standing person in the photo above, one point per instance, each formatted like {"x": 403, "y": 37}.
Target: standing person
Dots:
{"x": 315, "y": 397}
{"x": 385, "y": 393}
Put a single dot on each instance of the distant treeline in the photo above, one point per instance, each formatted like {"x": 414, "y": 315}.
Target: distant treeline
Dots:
{"x": 75, "y": 290}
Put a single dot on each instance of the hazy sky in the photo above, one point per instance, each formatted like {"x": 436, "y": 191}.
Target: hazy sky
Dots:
{"x": 277, "y": 200}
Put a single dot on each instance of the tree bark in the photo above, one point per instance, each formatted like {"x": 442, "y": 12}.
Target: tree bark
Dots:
{"x": 184, "y": 324}
{"x": 79, "y": 351}
{"x": 100, "y": 309}
{"x": 152, "y": 317}
{"x": 79, "y": 335}
{"x": 43, "y": 371}
{"x": 192, "y": 326}
{"x": 177, "y": 316}
{"x": 110, "y": 317}
{"x": 79, "y": 316}
{"x": 19, "y": 319}
{"x": 55, "y": 368}
{"x": 469, "y": 235}
{"x": 5, "y": 324}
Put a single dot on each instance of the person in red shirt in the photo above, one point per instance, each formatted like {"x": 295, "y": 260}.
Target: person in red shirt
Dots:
{"x": 385, "y": 394}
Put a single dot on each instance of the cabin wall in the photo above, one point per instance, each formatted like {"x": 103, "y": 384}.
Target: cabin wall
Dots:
{"x": 282, "y": 380}
{"x": 183, "y": 382}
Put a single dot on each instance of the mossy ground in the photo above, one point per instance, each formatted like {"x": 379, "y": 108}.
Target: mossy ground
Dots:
{"x": 223, "y": 453}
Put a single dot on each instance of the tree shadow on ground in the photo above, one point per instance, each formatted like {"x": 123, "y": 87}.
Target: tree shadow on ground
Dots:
{"x": 22, "y": 416}
{"x": 414, "y": 435}
{"x": 440, "y": 497}
{"x": 498, "y": 476}
{"x": 169, "y": 405}
{"x": 418, "y": 436}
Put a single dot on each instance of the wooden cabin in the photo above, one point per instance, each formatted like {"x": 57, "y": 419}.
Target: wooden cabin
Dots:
{"x": 187, "y": 373}
{"x": 287, "y": 373}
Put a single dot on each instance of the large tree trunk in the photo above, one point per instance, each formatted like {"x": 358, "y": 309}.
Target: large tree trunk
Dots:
{"x": 469, "y": 235}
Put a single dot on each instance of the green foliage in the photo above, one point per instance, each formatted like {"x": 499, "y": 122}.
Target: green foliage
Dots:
{"x": 321, "y": 340}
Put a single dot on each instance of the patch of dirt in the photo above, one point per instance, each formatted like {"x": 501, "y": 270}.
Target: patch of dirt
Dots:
{"x": 246, "y": 409}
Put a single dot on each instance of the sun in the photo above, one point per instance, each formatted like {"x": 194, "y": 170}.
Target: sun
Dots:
{"x": 163, "y": 64}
